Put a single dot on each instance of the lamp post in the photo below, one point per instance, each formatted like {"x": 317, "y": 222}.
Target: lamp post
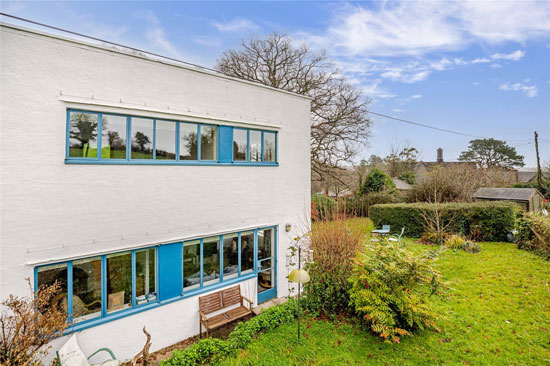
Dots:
{"x": 299, "y": 276}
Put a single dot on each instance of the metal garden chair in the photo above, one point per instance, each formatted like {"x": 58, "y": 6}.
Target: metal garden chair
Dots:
{"x": 71, "y": 355}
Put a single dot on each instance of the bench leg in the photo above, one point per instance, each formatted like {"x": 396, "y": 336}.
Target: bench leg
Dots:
{"x": 200, "y": 329}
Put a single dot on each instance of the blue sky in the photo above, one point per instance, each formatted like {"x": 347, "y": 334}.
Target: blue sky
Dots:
{"x": 482, "y": 68}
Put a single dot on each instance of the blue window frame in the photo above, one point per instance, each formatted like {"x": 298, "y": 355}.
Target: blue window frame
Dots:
{"x": 168, "y": 283}
{"x": 109, "y": 138}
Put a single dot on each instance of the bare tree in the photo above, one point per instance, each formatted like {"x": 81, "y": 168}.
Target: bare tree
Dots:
{"x": 338, "y": 109}
{"x": 402, "y": 158}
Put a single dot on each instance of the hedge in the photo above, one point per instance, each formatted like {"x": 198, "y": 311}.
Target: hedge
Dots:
{"x": 489, "y": 221}
{"x": 211, "y": 350}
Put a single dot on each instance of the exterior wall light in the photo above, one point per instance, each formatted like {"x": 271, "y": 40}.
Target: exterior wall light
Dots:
{"x": 288, "y": 227}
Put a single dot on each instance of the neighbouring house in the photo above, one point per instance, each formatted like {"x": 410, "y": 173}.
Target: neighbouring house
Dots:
{"x": 527, "y": 176}
{"x": 401, "y": 185}
{"x": 423, "y": 167}
{"x": 529, "y": 199}
{"x": 140, "y": 184}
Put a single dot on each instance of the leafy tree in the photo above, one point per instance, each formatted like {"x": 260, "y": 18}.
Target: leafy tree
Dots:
{"x": 142, "y": 140}
{"x": 408, "y": 177}
{"x": 489, "y": 153}
{"x": 378, "y": 181}
{"x": 338, "y": 110}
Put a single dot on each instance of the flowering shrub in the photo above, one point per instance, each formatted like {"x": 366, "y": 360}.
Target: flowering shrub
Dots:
{"x": 390, "y": 289}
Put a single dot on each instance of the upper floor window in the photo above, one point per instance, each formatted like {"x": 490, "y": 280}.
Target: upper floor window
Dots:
{"x": 105, "y": 138}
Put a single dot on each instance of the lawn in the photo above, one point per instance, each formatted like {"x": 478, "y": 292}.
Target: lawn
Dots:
{"x": 497, "y": 312}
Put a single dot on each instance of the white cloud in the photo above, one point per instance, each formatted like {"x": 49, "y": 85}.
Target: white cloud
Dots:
{"x": 416, "y": 96}
{"x": 374, "y": 91}
{"x": 514, "y": 56}
{"x": 481, "y": 60}
{"x": 476, "y": 83}
{"x": 530, "y": 91}
{"x": 207, "y": 41}
{"x": 237, "y": 24}
{"x": 397, "y": 110}
{"x": 419, "y": 28}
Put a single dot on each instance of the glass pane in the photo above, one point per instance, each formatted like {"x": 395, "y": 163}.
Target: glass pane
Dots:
{"x": 209, "y": 142}
{"x": 265, "y": 243}
{"x": 211, "y": 260}
{"x": 269, "y": 146}
{"x": 166, "y": 140}
{"x": 142, "y": 138}
{"x": 119, "y": 281}
{"x": 265, "y": 280}
{"x": 47, "y": 276}
{"x": 240, "y": 143}
{"x": 146, "y": 289}
{"x": 113, "y": 141}
{"x": 188, "y": 141}
{"x": 255, "y": 146}
{"x": 83, "y": 135}
{"x": 247, "y": 252}
{"x": 87, "y": 289}
{"x": 191, "y": 265}
{"x": 265, "y": 264}
{"x": 230, "y": 255}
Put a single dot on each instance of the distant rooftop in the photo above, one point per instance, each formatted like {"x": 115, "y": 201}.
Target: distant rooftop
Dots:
{"x": 511, "y": 194}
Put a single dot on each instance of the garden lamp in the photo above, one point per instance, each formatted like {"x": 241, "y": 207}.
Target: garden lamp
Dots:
{"x": 299, "y": 276}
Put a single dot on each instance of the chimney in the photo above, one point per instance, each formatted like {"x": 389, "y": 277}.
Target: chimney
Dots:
{"x": 440, "y": 155}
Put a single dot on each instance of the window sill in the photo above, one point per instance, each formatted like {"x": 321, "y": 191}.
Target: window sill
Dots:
{"x": 164, "y": 162}
{"x": 144, "y": 307}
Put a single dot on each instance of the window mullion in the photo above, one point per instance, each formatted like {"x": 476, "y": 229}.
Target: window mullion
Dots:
{"x": 199, "y": 146}
{"x": 128, "y": 138}
{"x": 201, "y": 262}
{"x": 133, "y": 278}
{"x": 103, "y": 286}
{"x": 70, "y": 291}
{"x": 239, "y": 254}
{"x": 177, "y": 141}
{"x": 220, "y": 246}
{"x": 154, "y": 139}
{"x": 99, "y": 135}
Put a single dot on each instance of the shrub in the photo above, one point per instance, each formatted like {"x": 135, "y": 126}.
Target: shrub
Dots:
{"x": 334, "y": 246}
{"x": 28, "y": 324}
{"x": 489, "y": 221}
{"x": 471, "y": 247}
{"x": 456, "y": 242}
{"x": 322, "y": 207}
{"x": 534, "y": 234}
{"x": 390, "y": 288}
{"x": 377, "y": 181}
{"x": 359, "y": 205}
{"x": 408, "y": 177}
{"x": 211, "y": 350}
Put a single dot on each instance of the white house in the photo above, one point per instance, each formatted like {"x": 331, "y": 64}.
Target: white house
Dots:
{"x": 107, "y": 187}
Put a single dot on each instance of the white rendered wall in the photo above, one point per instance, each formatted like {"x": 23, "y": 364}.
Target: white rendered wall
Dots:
{"x": 52, "y": 211}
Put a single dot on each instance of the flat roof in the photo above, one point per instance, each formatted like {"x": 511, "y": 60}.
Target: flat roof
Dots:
{"x": 181, "y": 65}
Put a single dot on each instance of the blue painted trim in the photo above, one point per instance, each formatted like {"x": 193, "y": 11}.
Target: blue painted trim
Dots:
{"x": 154, "y": 139}
{"x": 248, "y": 145}
{"x": 177, "y": 141}
{"x": 165, "y": 162}
{"x": 201, "y": 263}
{"x": 104, "y": 286}
{"x": 220, "y": 248}
{"x": 133, "y": 278}
{"x": 128, "y": 138}
{"x": 262, "y": 146}
{"x": 68, "y": 133}
{"x": 70, "y": 290}
{"x": 239, "y": 253}
{"x": 199, "y": 142}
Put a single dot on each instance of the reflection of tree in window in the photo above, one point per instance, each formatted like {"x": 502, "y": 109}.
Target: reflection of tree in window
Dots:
{"x": 142, "y": 141}
{"x": 239, "y": 144}
{"x": 265, "y": 243}
{"x": 269, "y": 146}
{"x": 255, "y": 146}
{"x": 113, "y": 143}
{"x": 211, "y": 260}
{"x": 188, "y": 141}
{"x": 83, "y": 135}
{"x": 208, "y": 142}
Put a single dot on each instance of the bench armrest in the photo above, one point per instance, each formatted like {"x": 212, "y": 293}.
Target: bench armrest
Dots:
{"x": 249, "y": 301}
{"x": 203, "y": 317}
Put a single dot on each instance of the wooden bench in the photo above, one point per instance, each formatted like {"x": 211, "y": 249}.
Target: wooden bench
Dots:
{"x": 220, "y": 300}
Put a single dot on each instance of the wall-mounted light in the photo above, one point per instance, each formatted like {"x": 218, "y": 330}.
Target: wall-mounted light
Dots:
{"x": 288, "y": 227}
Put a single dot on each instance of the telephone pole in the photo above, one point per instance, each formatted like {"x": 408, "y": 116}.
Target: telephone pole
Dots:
{"x": 539, "y": 172}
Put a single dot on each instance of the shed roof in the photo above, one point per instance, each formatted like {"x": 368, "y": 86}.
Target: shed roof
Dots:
{"x": 512, "y": 194}
{"x": 401, "y": 184}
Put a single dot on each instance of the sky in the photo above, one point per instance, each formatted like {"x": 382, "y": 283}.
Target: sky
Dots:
{"x": 480, "y": 68}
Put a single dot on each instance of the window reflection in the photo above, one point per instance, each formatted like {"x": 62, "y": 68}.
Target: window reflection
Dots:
{"x": 113, "y": 141}
{"x": 209, "y": 142}
{"x": 165, "y": 144}
{"x": 146, "y": 276}
{"x": 255, "y": 145}
{"x": 211, "y": 260}
{"x": 230, "y": 255}
{"x": 119, "y": 281}
{"x": 142, "y": 138}
{"x": 87, "y": 289}
{"x": 191, "y": 264}
{"x": 49, "y": 275}
{"x": 188, "y": 141}
{"x": 240, "y": 144}
{"x": 247, "y": 252}
{"x": 265, "y": 243}
{"x": 83, "y": 135}
{"x": 269, "y": 146}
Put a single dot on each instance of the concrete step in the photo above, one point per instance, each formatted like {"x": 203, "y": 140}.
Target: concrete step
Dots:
{"x": 269, "y": 303}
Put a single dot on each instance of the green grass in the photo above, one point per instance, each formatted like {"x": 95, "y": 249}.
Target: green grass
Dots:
{"x": 497, "y": 312}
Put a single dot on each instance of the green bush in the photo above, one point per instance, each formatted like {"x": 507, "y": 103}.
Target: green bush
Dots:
{"x": 390, "y": 288}
{"x": 534, "y": 234}
{"x": 408, "y": 177}
{"x": 456, "y": 242}
{"x": 322, "y": 207}
{"x": 490, "y": 221}
{"x": 377, "y": 181}
{"x": 211, "y": 350}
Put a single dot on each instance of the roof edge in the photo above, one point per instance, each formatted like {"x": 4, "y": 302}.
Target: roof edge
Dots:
{"x": 198, "y": 69}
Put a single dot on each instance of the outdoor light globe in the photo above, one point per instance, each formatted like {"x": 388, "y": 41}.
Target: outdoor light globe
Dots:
{"x": 299, "y": 276}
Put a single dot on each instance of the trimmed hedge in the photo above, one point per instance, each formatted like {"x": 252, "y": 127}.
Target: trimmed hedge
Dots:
{"x": 489, "y": 221}
{"x": 211, "y": 350}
